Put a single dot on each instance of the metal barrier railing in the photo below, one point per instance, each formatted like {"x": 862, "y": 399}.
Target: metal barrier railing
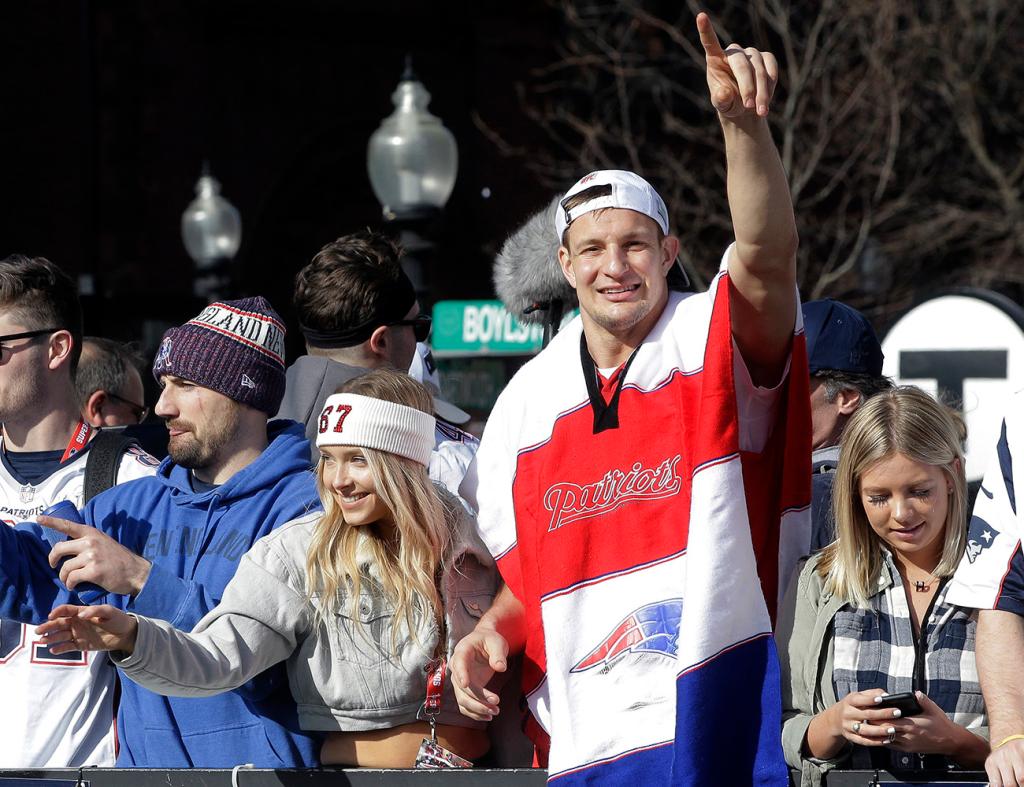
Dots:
{"x": 366, "y": 777}
{"x": 922, "y": 779}
{"x": 258, "y": 777}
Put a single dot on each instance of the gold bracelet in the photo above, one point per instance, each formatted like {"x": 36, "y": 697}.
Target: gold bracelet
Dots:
{"x": 1018, "y": 737}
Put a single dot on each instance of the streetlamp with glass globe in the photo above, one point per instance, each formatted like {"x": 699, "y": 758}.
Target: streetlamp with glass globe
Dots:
{"x": 211, "y": 229}
{"x": 412, "y": 161}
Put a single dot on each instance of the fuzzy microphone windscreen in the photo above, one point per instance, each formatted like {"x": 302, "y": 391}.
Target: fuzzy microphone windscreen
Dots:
{"x": 526, "y": 270}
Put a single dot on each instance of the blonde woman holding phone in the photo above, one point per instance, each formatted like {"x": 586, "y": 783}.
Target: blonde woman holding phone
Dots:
{"x": 878, "y": 670}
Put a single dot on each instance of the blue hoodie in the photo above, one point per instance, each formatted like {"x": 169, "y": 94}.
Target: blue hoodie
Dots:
{"x": 194, "y": 541}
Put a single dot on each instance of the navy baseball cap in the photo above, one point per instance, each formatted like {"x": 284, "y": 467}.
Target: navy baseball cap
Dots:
{"x": 840, "y": 338}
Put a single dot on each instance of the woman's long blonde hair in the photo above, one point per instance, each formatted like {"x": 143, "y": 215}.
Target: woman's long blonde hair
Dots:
{"x": 905, "y": 421}
{"x": 406, "y": 569}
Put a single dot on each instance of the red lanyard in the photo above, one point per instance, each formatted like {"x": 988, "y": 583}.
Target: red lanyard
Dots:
{"x": 435, "y": 687}
{"x": 78, "y": 441}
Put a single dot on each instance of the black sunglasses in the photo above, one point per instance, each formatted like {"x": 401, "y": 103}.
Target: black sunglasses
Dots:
{"x": 420, "y": 326}
{"x": 24, "y": 335}
{"x": 27, "y": 334}
{"x": 140, "y": 411}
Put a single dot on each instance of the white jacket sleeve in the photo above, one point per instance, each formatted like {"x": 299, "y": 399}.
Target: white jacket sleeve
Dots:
{"x": 260, "y": 621}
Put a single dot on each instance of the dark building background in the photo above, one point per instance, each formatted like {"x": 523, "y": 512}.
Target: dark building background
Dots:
{"x": 111, "y": 107}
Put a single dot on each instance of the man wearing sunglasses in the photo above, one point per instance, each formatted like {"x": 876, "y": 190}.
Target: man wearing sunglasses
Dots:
{"x": 109, "y": 384}
{"x": 358, "y": 311}
{"x": 58, "y": 710}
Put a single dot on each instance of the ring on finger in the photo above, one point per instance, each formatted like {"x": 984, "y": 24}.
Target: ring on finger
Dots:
{"x": 891, "y": 737}
{"x": 856, "y": 726}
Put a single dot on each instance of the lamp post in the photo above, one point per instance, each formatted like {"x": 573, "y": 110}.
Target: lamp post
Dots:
{"x": 412, "y": 161}
{"x": 211, "y": 230}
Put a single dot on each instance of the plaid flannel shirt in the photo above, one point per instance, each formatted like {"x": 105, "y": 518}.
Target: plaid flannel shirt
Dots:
{"x": 874, "y": 648}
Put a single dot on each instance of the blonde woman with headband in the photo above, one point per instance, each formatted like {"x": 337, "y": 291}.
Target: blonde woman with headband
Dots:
{"x": 364, "y": 600}
{"x": 878, "y": 670}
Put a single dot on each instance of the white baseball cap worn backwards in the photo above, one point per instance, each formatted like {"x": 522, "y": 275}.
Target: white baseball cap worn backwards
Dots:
{"x": 351, "y": 419}
{"x": 629, "y": 190}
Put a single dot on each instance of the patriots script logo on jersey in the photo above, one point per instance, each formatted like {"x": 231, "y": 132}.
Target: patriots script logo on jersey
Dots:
{"x": 569, "y": 502}
{"x": 653, "y": 628}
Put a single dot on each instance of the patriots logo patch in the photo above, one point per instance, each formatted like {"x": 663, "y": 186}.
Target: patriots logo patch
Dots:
{"x": 163, "y": 354}
{"x": 980, "y": 535}
{"x": 653, "y": 628}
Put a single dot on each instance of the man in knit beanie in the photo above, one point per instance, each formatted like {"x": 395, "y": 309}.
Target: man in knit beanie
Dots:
{"x": 168, "y": 546}
{"x": 230, "y": 354}
{"x": 233, "y": 347}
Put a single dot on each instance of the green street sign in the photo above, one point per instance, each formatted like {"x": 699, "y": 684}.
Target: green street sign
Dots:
{"x": 481, "y": 328}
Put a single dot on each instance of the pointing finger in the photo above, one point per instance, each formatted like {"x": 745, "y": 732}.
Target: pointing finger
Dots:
{"x": 65, "y": 526}
{"x": 708, "y": 37}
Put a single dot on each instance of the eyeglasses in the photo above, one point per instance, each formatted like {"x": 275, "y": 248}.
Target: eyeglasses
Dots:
{"x": 140, "y": 411}
{"x": 23, "y": 335}
{"x": 420, "y": 326}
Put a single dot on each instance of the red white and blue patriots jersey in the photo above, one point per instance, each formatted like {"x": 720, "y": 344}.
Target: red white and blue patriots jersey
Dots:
{"x": 58, "y": 710}
{"x": 991, "y": 572}
{"x": 644, "y": 553}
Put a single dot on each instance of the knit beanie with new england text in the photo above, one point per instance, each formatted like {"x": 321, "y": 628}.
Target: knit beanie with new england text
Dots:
{"x": 233, "y": 347}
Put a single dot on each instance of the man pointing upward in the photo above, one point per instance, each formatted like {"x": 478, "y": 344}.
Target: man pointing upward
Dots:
{"x": 644, "y": 609}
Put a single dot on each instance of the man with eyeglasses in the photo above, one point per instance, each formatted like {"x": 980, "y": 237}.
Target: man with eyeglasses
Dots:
{"x": 358, "y": 311}
{"x": 58, "y": 710}
{"x": 167, "y": 545}
{"x": 109, "y": 384}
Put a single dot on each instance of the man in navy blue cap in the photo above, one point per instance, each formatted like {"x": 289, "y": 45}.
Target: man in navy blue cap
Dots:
{"x": 845, "y": 362}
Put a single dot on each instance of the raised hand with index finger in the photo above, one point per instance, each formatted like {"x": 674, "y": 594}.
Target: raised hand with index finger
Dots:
{"x": 741, "y": 80}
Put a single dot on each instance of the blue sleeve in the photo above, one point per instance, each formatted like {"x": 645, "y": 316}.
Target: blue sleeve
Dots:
{"x": 181, "y": 602}
{"x": 1011, "y": 590}
{"x": 29, "y": 588}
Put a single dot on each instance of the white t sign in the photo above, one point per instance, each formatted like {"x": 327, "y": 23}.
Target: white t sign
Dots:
{"x": 969, "y": 348}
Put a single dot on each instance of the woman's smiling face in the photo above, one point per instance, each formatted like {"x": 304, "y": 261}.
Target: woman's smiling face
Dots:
{"x": 347, "y": 474}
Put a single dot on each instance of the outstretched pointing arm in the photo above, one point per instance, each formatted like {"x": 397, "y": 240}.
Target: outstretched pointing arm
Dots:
{"x": 762, "y": 267}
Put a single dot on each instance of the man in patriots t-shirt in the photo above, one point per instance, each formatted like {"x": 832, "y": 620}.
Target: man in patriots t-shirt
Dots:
{"x": 58, "y": 710}
{"x": 643, "y": 482}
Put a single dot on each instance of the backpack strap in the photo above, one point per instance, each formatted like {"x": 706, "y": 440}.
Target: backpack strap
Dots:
{"x": 105, "y": 452}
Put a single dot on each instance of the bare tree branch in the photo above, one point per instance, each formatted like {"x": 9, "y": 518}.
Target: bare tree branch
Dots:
{"x": 898, "y": 124}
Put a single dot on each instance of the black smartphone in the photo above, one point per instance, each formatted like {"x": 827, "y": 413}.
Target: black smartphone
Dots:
{"x": 906, "y": 701}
